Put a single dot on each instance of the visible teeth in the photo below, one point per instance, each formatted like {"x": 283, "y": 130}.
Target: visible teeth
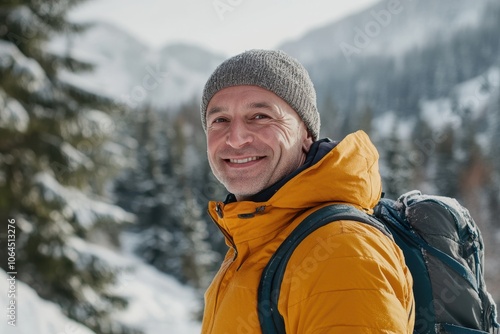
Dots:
{"x": 242, "y": 161}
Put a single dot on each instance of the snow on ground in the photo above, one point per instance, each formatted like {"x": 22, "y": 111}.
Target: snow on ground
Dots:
{"x": 32, "y": 314}
{"x": 157, "y": 302}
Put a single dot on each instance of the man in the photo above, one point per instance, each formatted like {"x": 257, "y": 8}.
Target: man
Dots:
{"x": 262, "y": 125}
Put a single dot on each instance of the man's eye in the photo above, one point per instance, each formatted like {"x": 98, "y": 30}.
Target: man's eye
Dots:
{"x": 261, "y": 116}
{"x": 219, "y": 120}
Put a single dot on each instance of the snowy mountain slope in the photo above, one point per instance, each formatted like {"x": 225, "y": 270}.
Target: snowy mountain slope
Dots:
{"x": 388, "y": 28}
{"x": 157, "y": 302}
{"x": 472, "y": 96}
{"x": 134, "y": 74}
{"x": 397, "y": 69}
{"x": 187, "y": 69}
{"x": 469, "y": 102}
{"x": 119, "y": 58}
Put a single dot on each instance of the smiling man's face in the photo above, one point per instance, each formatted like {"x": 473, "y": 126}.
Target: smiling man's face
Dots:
{"x": 254, "y": 139}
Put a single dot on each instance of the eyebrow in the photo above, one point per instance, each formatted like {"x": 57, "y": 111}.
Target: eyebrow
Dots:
{"x": 215, "y": 110}
{"x": 252, "y": 105}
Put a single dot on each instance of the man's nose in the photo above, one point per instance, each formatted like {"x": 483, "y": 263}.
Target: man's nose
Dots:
{"x": 239, "y": 134}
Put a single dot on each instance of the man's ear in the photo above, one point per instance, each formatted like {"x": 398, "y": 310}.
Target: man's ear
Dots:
{"x": 307, "y": 142}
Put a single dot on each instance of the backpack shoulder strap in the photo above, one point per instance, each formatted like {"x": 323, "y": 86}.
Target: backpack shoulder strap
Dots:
{"x": 270, "y": 284}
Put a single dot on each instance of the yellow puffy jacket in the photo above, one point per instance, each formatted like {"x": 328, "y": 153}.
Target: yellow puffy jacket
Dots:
{"x": 346, "y": 277}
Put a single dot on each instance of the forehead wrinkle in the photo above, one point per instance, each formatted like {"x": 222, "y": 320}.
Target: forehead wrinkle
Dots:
{"x": 259, "y": 105}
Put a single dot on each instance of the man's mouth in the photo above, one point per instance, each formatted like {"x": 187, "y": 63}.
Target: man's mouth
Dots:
{"x": 243, "y": 160}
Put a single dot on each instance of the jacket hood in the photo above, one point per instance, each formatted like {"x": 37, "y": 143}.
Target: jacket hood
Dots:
{"x": 349, "y": 173}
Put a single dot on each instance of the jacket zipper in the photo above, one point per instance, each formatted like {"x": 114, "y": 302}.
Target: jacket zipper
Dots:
{"x": 218, "y": 209}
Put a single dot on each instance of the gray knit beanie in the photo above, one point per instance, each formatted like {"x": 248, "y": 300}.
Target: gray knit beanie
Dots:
{"x": 271, "y": 70}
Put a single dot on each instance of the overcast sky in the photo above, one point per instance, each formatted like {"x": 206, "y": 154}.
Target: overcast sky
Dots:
{"x": 223, "y": 26}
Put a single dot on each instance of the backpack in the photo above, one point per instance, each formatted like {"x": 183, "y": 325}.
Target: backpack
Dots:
{"x": 443, "y": 249}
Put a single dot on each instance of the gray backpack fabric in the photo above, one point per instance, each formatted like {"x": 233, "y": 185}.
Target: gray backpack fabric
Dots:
{"x": 443, "y": 249}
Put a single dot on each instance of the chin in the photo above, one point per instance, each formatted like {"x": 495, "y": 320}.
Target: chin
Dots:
{"x": 242, "y": 193}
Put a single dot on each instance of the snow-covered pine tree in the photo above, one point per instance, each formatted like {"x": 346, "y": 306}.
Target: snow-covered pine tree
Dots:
{"x": 332, "y": 118}
{"x": 472, "y": 169}
{"x": 493, "y": 188}
{"x": 55, "y": 152}
{"x": 161, "y": 190}
{"x": 446, "y": 164}
{"x": 399, "y": 168}
{"x": 198, "y": 257}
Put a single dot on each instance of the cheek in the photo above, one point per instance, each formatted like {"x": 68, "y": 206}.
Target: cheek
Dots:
{"x": 211, "y": 148}
{"x": 277, "y": 133}
{"x": 214, "y": 146}
{"x": 212, "y": 141}
{"x": 288, "y": 137}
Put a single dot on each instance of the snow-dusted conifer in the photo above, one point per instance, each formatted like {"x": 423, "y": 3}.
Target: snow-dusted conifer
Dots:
{"x": 162, "y": 191}
{"x": 55, "y": 153}
{"x": 399, "y": 167}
